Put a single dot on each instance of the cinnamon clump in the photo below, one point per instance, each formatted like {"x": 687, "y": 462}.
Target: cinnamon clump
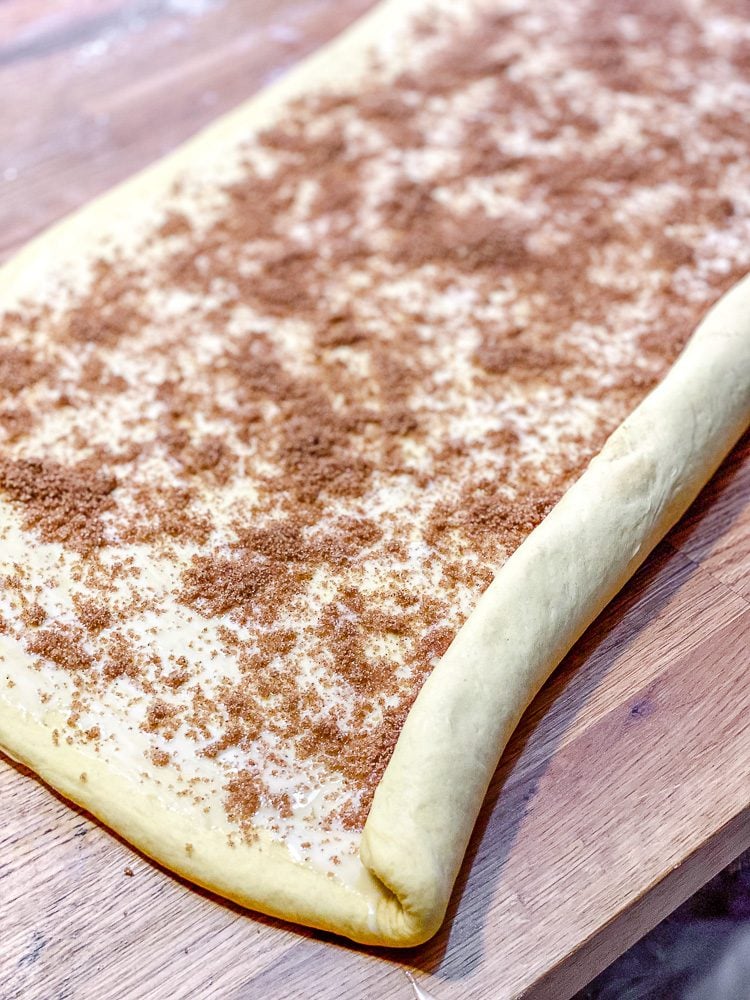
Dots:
{"x": 19, "y": 369}
{"x": 243, "y": 799}
{"x": 94, "y": 616}
{"x": 216, "y": 585}
{"x": 61, "y": 645}
{"x": 63, "y": 504}
{"x": 34, "y": 615}
{"x": 161, "y": 718}
{"x": 110, "y": 311}
{"x": 119, "y": 659}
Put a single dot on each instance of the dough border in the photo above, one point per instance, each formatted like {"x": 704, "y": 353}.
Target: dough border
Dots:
{"x": 540, "y": 602}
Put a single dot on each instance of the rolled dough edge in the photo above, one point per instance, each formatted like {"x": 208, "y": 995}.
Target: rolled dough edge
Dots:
{"x": 543, "y": 598}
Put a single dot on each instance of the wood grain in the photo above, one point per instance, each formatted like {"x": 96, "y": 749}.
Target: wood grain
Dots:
{"x": 627, "y": 784}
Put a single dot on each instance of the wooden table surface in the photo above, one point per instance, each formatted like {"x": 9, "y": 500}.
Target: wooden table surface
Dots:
{"x": 628, "y": 783}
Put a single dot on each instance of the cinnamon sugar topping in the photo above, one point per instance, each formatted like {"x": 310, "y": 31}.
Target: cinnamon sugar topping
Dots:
{"x": 256, "y": 474}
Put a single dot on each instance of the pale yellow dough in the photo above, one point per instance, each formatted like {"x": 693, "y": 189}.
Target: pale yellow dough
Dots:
{"x": 543, "y": 598}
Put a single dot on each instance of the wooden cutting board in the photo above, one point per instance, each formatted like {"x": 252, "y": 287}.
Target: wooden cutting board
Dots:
{"x": 628, "y": 783}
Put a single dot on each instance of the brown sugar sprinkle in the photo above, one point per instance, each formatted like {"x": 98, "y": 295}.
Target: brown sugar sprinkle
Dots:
{"x": 410, "y": 321}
